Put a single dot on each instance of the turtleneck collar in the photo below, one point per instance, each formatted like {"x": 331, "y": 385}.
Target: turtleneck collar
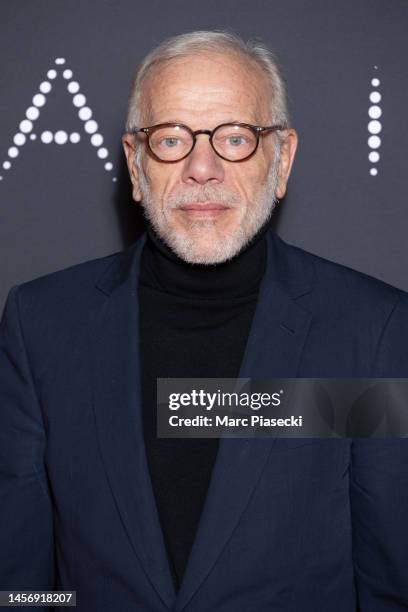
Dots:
{"x": 163, "y": 270}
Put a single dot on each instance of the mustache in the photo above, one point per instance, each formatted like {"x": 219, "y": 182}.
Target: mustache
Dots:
{"x": 206, "y": 193}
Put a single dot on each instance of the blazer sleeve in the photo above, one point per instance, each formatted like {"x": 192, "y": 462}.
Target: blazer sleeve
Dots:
{"x": 26, "y": 525}
{"x": 379, "y": 490}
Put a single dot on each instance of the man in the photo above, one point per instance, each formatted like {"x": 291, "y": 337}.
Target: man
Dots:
{"x": 91, "y": 499}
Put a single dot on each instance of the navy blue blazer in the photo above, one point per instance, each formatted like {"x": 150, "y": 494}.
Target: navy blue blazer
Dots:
{"x": 300, "y": 525}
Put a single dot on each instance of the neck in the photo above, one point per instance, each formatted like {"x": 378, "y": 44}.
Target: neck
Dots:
{"x": 163, "y": 270}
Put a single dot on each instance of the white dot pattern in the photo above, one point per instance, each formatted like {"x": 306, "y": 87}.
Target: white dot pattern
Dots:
{"x": 375, "y": 97}
{"x": 374, "y": 126}
{"x": 26, "y": 126}
{"x": 79, "y": 100}
{"x": 73, "y": 87}
{"x": 47, "y": 137}
{"x": 45, "y": 87}
{"x": 102, "y": 153}
{"x": 85, "y": 113}
{"x": 61, "y": 137}
{"x": 96, "y": 140}
{"x": 19, "y": 139}
{"x": 91, "y": 126}
{"x": 39, "y": 100}
{"x": 32, "y": 113}
{"x": 374, "y": 112}
{"x": 374, "y": 142}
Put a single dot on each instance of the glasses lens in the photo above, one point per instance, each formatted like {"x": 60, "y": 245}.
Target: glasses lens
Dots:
{"x": 170, "y": 143}
{"x": 234, "y": 142}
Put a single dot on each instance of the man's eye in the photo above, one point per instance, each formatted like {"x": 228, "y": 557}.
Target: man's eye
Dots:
{"x": 169, "y": 142}
{"x": 235, "y": 141}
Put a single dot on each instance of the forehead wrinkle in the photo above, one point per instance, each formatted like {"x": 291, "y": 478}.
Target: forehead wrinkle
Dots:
{"x": 165, "y": 98}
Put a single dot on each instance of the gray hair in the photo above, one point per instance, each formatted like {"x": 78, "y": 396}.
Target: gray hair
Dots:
{"x": 211, "y": 41}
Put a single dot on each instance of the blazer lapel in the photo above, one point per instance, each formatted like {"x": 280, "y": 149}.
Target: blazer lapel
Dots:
{"x": 114, "y": 358}
{"x": 273, "y": 350}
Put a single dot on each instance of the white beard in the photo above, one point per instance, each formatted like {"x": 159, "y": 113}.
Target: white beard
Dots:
{"x": 201, "y": 241}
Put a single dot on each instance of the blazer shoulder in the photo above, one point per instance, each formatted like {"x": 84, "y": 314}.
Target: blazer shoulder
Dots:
{"x": 66, "y": 296}
{"x": 73, "y": 278}
{"x": 343, "y": 282}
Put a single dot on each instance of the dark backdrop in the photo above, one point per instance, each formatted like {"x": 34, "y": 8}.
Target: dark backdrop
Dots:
{"x": 64, "y": 191}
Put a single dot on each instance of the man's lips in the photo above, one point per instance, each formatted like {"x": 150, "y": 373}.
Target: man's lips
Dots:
{"x": 205, "y": 211}
{"x": 209, "y": 206}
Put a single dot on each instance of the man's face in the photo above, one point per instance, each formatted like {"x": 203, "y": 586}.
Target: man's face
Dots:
{"x": 204, "y": 207}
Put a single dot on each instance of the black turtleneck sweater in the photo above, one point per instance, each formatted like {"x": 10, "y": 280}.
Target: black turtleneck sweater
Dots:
{"x": 194, "y": 323}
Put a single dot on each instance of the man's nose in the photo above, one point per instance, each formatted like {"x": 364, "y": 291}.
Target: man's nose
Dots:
{"x": 203, "y": 164}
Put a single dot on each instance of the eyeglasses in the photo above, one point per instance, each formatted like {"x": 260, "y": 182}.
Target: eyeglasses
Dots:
{"x": 234, "y": 142}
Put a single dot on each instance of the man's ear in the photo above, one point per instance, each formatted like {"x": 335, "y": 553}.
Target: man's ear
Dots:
{"x": 129, "y": 149}
{"x": 288, "y": 150}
